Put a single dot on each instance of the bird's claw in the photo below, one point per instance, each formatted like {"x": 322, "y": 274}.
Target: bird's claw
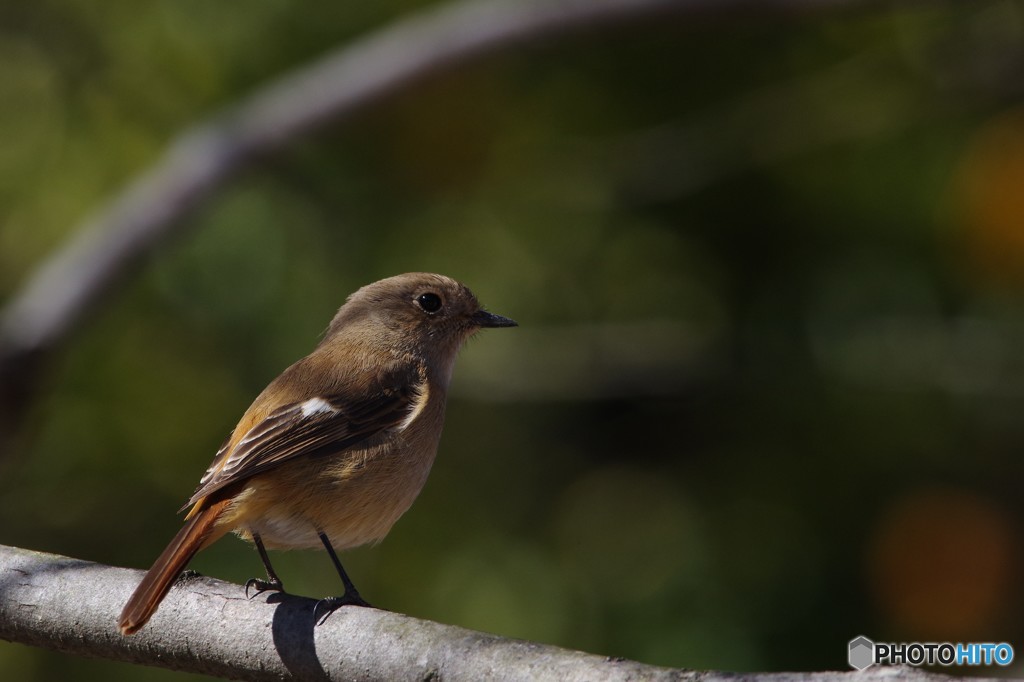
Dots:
{"x": 261, "y": 586}
{"x": 331, "y": 604}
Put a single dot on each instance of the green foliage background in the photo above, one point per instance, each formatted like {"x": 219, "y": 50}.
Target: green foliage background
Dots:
{"x": 767, "y": 390}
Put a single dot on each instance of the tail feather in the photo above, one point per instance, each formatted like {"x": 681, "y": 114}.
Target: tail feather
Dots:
{"x": 197, "y": 532}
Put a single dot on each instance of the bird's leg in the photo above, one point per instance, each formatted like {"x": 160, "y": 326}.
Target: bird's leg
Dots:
{"x": 351, "y": 596}
{"x": 272, "y": 582}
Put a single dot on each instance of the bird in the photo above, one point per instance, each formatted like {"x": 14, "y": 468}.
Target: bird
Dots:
{"x": 339, "y": 445}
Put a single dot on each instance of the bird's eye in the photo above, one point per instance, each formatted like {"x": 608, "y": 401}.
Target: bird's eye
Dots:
{"x": 430, "y": 303}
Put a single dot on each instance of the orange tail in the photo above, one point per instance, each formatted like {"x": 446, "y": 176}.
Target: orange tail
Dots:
{"x": 194, "y": 535}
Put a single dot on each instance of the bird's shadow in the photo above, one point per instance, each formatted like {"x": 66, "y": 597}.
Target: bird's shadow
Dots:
{"x": 292, "y": 628}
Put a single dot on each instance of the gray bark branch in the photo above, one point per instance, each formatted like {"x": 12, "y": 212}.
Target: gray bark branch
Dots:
{"x": 208, "y": 626}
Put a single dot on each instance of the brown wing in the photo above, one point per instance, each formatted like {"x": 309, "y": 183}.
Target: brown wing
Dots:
{"x": 317, "y": 426}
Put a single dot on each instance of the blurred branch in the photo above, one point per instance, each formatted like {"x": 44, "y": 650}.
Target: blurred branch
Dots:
{"x": 106, "y": 248}
{"x": 208, "y": 626}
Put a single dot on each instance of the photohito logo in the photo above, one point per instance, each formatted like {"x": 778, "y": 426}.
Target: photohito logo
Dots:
{"x": 863, "y": 653}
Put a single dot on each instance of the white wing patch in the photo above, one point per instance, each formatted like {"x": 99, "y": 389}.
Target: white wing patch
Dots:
{"x": 314, "y": 425}
{"x": 316, "y": 406}
{"x": 309, "y": 409}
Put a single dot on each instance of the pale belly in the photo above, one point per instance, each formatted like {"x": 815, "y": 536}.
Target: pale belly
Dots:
{"x": 354, "y": 498}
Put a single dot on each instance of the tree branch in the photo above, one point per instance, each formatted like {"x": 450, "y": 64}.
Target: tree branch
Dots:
{"x": 208, "y": 626}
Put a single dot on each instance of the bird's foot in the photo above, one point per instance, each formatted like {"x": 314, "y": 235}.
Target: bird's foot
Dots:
{"x": 261, "y": 586}
{"x": 329, "y": 605}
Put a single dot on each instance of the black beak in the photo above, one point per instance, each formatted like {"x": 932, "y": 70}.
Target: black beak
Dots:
{"x": 482, "y": 318}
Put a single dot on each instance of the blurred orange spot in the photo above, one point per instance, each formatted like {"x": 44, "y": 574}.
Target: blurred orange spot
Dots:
{"x": 940, "y": 563}
{"x": 991, "y": 185}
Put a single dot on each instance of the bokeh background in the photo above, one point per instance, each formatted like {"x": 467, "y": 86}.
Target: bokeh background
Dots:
{"x": 768, "y": 389}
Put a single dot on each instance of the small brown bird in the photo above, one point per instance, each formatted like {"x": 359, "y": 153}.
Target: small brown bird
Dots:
{"x": 338, "y": 446}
